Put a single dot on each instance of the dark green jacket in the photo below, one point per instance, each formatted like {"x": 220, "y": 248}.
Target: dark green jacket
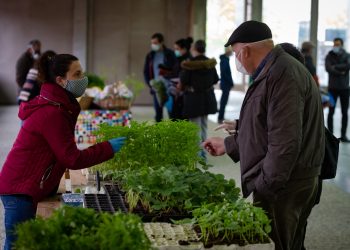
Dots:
{"x": 281, "y": 128}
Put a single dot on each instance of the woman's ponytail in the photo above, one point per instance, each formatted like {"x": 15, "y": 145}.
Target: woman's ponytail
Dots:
{"x": 45, "y": 67}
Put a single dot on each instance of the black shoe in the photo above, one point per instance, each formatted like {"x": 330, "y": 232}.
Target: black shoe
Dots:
{"x": 344, "y": 139}
{"x": 220, "y": 121}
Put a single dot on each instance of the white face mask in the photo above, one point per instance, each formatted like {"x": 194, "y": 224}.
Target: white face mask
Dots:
{"x": 155, "y": 47}
{"x": 239, "y": 66}
{"x": 36, "y": 56}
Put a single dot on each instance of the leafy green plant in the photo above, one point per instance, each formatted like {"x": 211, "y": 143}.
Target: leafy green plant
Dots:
{"x": 82, "y": 229}
{"x": 95, "y": 81}
{"x": 160, "y": 89}
{"x": 164, "y": 143}
{"x": 175, "y": 188}
{"x": 231, "y": 222}
{"x": 135, "y": 85}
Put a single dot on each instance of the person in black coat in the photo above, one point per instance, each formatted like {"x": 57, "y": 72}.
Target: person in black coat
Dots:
{"x": 306, "y": 50}
{"x": 182, "y": 52}
{"x": 338, "y": 66}
{"x": 197, "y": 80}
{"x": 159, "y": 62}
{"x": 226, "y": 82}
{"x": 26, "y": 61}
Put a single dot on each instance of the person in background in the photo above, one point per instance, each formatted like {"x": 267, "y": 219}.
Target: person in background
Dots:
{"x": 26, "y": 61}
{"x": 182, "y": 49}
{"x": 197, "y": 80}
{"x": 45, "y": 146}
{"x": 279, "y": 138}
{"x": 31, "y": 86}
{"x": 182, "y": 52}
{"x": 306, "y": 50}
{"x": 159, "y": 61}
{"x": 226, "y": 82}
{"x": 338, "y": 66}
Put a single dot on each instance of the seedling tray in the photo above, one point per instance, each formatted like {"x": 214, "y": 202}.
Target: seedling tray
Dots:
{"x": 114, "y": 189}
{"x": 104, "y": 203}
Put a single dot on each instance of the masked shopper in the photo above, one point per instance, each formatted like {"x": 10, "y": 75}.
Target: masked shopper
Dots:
{"x": 197, "y": 81}
{"x": 338, "y": 67}
{"x": 45, "y": 147}
{"x": 279, "y": 137}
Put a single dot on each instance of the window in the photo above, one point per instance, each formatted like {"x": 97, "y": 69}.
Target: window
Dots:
{"x": 223, "y": 16}
{"x": 333, "y": 21}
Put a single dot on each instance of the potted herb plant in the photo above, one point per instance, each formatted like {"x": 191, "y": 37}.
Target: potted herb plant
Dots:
{"x": 82, "y": 229}
{"x": 232, "y": 225}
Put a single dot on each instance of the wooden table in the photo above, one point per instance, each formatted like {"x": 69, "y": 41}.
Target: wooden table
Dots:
{"x": 46, "y": 207}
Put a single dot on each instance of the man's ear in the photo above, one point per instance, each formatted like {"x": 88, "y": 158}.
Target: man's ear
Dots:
{"x": 246, "y": 50}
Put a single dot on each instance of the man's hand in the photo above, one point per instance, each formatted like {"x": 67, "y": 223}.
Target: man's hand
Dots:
{"x": 215, "y": 146}
{"x": 229, "y": 126}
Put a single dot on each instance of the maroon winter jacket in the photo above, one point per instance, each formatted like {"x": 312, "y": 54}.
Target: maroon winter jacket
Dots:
{"x": 45, "y": 145}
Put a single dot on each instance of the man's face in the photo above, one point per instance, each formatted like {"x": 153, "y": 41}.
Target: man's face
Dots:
{"x": 155, "y": 44}
{"x": 37, "y": 48}
{"x": 337, "y": 43}
{"x": 241, "y": 55}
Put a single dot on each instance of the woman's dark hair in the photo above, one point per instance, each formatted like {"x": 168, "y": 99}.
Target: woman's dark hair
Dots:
{"x": 52, "y": 65}
{"x": 184, "y": 43}
{"x": 293, "y": 51}
{"x": 158, "y": 36}
{"x": 200, "y": 46}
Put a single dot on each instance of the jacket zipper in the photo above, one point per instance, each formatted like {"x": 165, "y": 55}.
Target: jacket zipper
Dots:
{"x": 45, "y": 176}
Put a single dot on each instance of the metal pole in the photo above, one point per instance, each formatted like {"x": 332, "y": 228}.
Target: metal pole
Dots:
{"x": 313, "y": 27}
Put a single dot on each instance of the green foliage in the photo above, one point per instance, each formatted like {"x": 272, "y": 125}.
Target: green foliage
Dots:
{"x": 231, "y": 222}
{"x": 82, "y": 229}
{"x": 95, "y": 81}
{"x": 135, "y": 85}
{"x": 160, "y": 89}
{"x": 171, "y": 187}
{"x": 164, "y": 143}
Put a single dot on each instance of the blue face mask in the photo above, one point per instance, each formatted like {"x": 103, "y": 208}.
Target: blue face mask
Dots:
{"x": 177, "y": 53}
{"x": 77, "y": 87}
{"x": 336, "y": 50}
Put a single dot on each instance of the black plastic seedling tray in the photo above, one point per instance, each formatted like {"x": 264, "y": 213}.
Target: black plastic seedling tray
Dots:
{"x": 114, "y": 190}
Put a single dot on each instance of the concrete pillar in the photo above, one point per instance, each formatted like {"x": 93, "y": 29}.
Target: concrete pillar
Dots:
{"x": 199, "y": 19}
{"x": 256, "y": 10}
{"x": 80, "y": 31}
{"x": 314, "y": 26}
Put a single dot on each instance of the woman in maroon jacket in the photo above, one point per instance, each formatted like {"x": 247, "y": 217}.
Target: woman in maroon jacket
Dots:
{"x": 45, "y": 145}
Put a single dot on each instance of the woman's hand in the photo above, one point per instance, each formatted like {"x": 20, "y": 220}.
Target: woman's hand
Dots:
{"x": 117, "y": 143}
{"x": 215, "y": 146}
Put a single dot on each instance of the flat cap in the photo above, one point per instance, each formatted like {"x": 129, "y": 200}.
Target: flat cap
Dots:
{"x": 249, "y": 32}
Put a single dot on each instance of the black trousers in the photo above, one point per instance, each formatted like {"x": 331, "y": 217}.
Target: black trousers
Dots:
{"x": 344, "y": 103}
{"x": 223, "y": 101}
{"x": 289, "y": 212}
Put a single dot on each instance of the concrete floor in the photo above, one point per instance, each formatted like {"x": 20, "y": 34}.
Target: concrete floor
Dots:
{"x": 328, "y": 226}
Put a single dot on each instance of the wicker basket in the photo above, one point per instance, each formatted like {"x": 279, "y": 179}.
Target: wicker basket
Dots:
{"x": 85, "y": 102}
{"x": 118, "y": 103}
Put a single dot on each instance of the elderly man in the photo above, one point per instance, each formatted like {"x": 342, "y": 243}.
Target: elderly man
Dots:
{"x": 279, "y": 137}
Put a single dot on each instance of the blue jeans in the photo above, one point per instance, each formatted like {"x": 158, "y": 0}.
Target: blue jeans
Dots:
{"x": 157, "y": 108}
{"x": 202, "y": 123}
{"x": 18, "y": 208}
